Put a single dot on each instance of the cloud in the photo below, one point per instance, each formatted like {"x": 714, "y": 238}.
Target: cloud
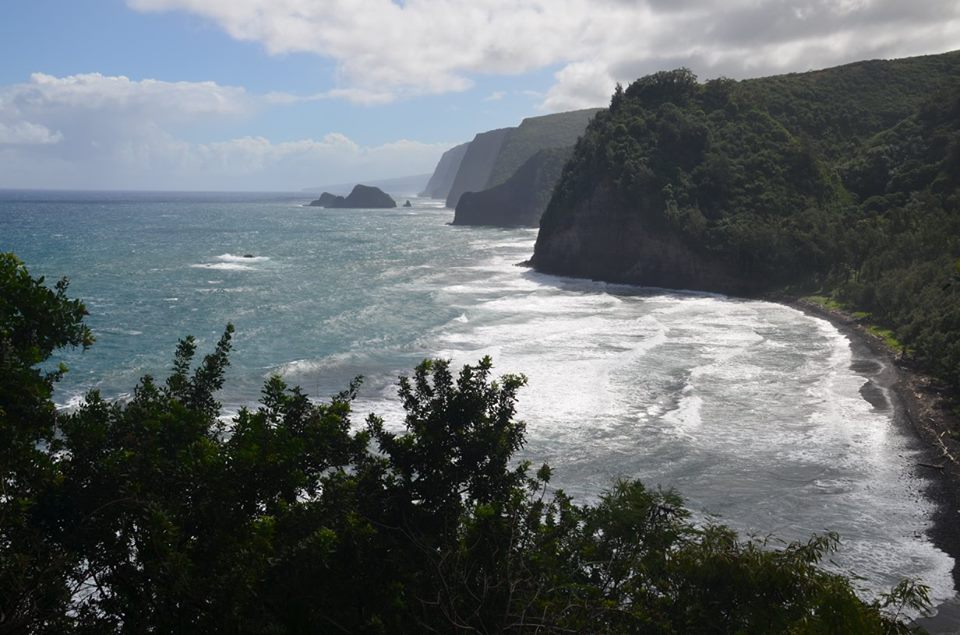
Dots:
{"x": 306, "y": 162}
{"x": 579, "y": 85}
{"x": 496, "y": 95}
{"x": 96, "y": 92}
{"x": 26, "y": 133}
{"x": 358, "y": 96}
{"x": 100, "y": 132}
{"x": 434, "y": 46}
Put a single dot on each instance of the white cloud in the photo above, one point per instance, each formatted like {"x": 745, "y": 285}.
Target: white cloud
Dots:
{"x": 496, "y": 95}
{"x": 308, "y": 162}
{"x": 93, "y": 91}
{"x": 26, "y": 133}
{"x": 358, "y": 96}
{"x": 100, "y": 132}
{"x": 435, "y": 46}
{"x": 579, "y": 85}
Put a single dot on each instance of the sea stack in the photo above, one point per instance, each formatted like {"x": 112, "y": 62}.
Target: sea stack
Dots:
{"x": 361, "y": 197}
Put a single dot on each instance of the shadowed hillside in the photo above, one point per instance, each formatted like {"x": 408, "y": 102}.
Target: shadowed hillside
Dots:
{"x": 842, "y": 181}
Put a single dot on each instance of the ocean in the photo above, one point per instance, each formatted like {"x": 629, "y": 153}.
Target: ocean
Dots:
{"x": 755, "y": 412}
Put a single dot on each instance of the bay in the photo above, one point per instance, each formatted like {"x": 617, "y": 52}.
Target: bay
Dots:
{"x": 752, "y": 410}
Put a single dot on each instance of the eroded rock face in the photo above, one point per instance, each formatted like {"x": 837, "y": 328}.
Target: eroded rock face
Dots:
{"x": 477, "y": 164}
{"x": 361, "y": 197}
{"x": 603, "y": 239}
{"x": 446, "y": 171}
{"x": 521, "y": 199}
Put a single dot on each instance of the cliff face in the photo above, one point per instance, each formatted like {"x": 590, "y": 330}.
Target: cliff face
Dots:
{"x": 558, "y": 130}
{"x": 446, "y": 171}
{"x": 602, "y": 239}
{"x": 477, "y": 164}
{"x": 684, "y": 185}
{"x": 734, "y": 186}
{"x": 361, "y": 197}
{"x": 520, "y": 200}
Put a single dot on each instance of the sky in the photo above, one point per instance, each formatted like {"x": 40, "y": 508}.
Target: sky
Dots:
{"x": 281, "y": 95}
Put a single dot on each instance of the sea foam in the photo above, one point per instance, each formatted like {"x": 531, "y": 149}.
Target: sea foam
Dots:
{"x": 235, "y": 258}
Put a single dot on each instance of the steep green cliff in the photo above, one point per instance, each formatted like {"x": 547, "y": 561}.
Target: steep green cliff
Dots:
{"x": 520, "y": 200}
{"x": 687, "y": 185}
{"x": 842, "y": 180}
{"x": 477, "y": 164}
{"x": 496, "y": 155}
{"x": 558, "y": 130}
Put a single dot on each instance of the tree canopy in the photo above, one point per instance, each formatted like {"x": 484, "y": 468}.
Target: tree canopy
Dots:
{"x": 158, "y": 515}
{"x": 842, "y": 182}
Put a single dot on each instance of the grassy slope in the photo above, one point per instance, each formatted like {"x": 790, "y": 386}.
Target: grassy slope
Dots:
{"x": 535, "y": 134}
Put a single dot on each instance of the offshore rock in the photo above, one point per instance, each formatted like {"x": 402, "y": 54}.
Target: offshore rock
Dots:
{"x": 362, "y": 197}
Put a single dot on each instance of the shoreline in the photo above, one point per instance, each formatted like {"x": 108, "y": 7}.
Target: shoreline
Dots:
{"x": 920, "y": 408}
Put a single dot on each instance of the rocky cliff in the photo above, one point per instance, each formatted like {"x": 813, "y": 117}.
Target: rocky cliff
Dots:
{"x": 361, "y": 197}
{"x": 477, "y": 164}
{"x": 441, "y": 181}
{"x": 520, "y": 200}
{"x": 559, "y": 130}
{"x": 601, "y": 238}
{"x": 732, "y": 186}
{"x": 684, "y": 185}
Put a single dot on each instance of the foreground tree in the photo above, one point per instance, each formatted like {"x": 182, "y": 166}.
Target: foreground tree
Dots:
{"x": 157, "y": 516}
{"x": 34, "y": 322}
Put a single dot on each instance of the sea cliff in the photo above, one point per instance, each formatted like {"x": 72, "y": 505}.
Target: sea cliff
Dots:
{"x": 520, "y": 200}
{"x": 441, "y": 181}
{"x": 477, "y": 164}
{"x": 756, "y": 182}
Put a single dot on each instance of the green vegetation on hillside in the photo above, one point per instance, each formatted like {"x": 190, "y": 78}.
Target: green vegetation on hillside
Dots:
{"x": 534, "y": 134}
{"x": 838, "y": 108}
{"x": 903, "y": 239}
{"x": 702, "y": 162}
{"x": 156, "y": 515}
{"x": 520, "y": 200}
{"x": 843, "y": 182}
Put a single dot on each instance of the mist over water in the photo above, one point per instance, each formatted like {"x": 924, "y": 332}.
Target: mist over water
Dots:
{"x": 753, "y": 411}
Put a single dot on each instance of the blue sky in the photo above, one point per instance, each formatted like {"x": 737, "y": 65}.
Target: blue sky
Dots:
{"x": 105, "y": 36}
{"x": 284, "y": 94}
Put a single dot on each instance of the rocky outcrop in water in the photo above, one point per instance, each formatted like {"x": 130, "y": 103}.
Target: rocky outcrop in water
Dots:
{"x": 441, "y": 181}
{"x": 327, "y": 200}
{"x": 362, "y": 197}
{"x": 520, "y": 200}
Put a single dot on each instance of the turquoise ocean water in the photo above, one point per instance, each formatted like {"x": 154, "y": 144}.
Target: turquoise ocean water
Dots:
{"x": 752, "y": 410}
